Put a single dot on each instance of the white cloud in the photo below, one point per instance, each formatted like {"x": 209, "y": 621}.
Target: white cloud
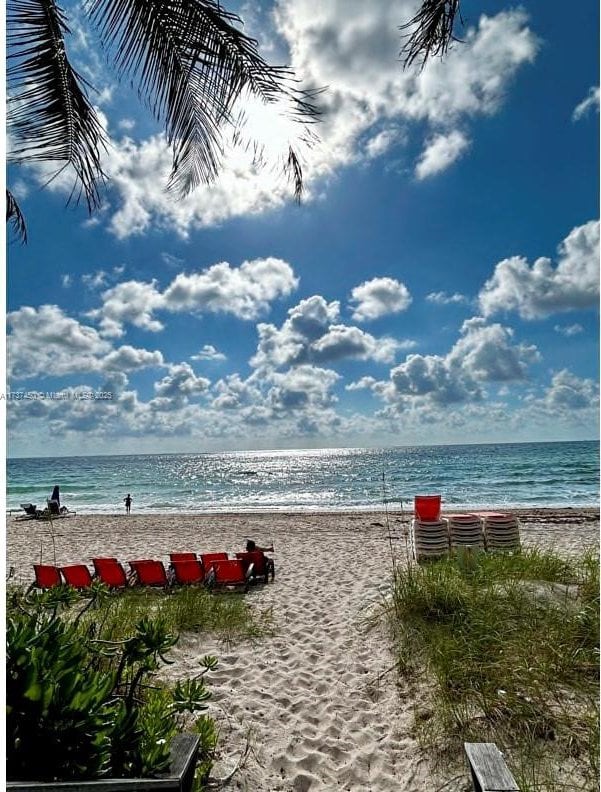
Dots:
{"x": 244, "y": 291}
{"x": 540, "y": 290}
{"x": 442, "y": 298}
{"x": 180, "y": 384}
{"x": 66, "y": 281}
{"x": 569, "y": 330}
{"x": 440, "y": 152}
{"x": 310, "y": 335}
{"x": 352, "y": 48}
{"x": 209, "y": 352}
{"x": 569, "y": 392}
{"x": 379, "y": 297}
{"x": 484, "y": 354}
{"x": 46, "y": 342}
{"x": 588, "y": 104}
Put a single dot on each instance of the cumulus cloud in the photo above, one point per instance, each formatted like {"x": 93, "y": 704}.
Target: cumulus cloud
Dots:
{"x": 378, "y": 297}
{"x": 244, "y": 291}
{"x": 180, "y": 384}
{"x": 440, "y": 152}
{"x": 540, "y": 290}
{"x": 370, "y": 104}
{"x": 570, "y": 392}
{"x": 310, "y": 335}
{"x": 484, "y": 354}
{"x": 588, "y": 104}
{"x": 46, "y": 342}
{"x": 209, "y": 352}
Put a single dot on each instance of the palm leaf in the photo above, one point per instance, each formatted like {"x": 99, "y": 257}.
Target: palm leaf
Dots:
{"x": 15, "y": 217}
{"x": 49, "y": 116}
{"x": 433, "y": 30}
{"x": 190, "y": 64}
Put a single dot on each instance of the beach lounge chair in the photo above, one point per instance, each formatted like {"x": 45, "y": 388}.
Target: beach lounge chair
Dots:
{"x": 183, "y": 557}
{"x": 208, "y": 558}
{"x": 77, "y": 575}
{"x": 47, "y": 576}
{"x": 260, "y": 565}
{"x": 228, "y": 574}
{"x": 110, "y": 572}
{"x": 501, "y": 532}
{"x": 29, "y": 509}
{"x": 187, "y": 572}
{"x": 149, "y": 572}
{"x": 465, "y": 530}
{"x": 427, "y": 507}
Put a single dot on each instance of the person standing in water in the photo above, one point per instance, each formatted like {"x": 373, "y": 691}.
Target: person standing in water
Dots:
{"x": 127, "y": 501}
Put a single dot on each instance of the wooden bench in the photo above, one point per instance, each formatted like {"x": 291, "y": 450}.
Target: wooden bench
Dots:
{"x": 178, "y": 779}
{"x": 488, "y": 768}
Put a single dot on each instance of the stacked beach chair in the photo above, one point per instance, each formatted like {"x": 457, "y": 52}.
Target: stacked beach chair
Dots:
{"x": 465, "y": 530}
{"x": 501, "y": 532}
{"x": 429, "y": 532}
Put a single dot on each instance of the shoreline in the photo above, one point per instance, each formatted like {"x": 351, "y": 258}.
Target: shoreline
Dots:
{"x": 316, "y": 700}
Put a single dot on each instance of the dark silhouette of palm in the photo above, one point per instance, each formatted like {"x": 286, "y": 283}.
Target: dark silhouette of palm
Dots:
{"x": 189, "y": 62}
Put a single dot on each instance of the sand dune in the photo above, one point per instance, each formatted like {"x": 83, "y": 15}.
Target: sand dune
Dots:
{"x": 317, "y": 703}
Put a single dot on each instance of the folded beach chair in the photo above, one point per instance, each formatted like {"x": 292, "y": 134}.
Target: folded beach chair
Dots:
{"x": 427, "y": 507}
{"x": 429, "y": 532}
{"x": 77, "y": 575}
{"x": 259, "y": 563}
{"x": 228, "y": 574}
{"x": 110, "y": 572}
{"x": 187, "y": 572}
{"x": 465, "y": 530}
{"x": 501, "y": 532}
{"x": 47, "y": 576}
{"x": 29, "y": 509}
{"x": 149, "y": 573}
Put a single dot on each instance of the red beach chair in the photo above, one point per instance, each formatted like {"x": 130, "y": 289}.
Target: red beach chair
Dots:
{"x": 427, "y": 508}
{"x": 110, "y": 572}
{"x": 47, "y": 576}
{"x": 208, "y": 558}
{"x": 229, "y": 573}
{"x": 256, "y": 558}
{"x": 187, "y": 572}
{"x": 149, "y": 573}
{"x": 77, "y": 575}
{"x": 182, "y": 557}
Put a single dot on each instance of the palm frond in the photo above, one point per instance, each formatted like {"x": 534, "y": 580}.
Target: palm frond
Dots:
{"x": 15, "y": 217}
{"x": 191, "y": 63}
{"x": 50, "y": 117}
{"x": 433, "y": 31}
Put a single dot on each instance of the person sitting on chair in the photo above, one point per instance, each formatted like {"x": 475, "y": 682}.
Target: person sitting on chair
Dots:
{"x": 252, "y": 547}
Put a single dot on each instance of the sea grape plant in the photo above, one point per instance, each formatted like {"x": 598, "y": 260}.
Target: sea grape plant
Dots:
{"x": 82, "y": 705}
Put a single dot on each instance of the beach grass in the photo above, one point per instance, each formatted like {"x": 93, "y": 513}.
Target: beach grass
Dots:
{"x": 227, "y": 617}
{"x": 507, "y": 644}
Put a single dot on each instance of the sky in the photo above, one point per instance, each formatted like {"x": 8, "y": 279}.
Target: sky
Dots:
{"x": 438, "y": 283}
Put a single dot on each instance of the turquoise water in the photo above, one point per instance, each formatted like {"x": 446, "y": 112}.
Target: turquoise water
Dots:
{"x": 495, "y": 475}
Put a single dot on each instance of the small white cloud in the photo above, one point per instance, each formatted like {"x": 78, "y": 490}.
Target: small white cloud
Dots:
{"x": 66, "y": 281}
{"x": 94, "y": 280}
{"x": 569, "y": 330}
{"x": 588, "y": 104}
{"x": 441, "y": 152}
{"x": 379, "y": 297}
{"x": 383, "y": 141}
{"x": 127, "y": 124}
{"x": 208, "y": 352}
{"x": 540, "y": 290}
{"x": 442, "y": 298}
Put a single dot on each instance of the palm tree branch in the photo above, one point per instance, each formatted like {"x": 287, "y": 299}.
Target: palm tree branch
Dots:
{"x": 190, "y": 64}
{"x": 50, "y": 117}
{"x": 15, "y": 217}
{"x": 432, "y": 31}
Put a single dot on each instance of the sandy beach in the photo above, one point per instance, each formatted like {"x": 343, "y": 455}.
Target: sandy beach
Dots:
{"x": 317, "y": 703}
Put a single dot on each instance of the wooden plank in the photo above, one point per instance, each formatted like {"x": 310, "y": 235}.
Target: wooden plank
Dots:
{"x": 184, "y": 749}
{"x": 489, "y": 770}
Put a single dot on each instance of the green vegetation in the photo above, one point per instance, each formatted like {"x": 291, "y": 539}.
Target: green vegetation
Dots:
{"x": 508, "y": 645}
{"x": 82, "y": 692}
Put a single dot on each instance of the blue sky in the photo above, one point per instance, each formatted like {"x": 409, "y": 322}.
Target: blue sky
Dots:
{"x": 439, "y": 282}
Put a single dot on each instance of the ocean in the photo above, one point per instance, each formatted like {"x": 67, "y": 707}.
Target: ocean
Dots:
{"x": 468, "y": 476}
